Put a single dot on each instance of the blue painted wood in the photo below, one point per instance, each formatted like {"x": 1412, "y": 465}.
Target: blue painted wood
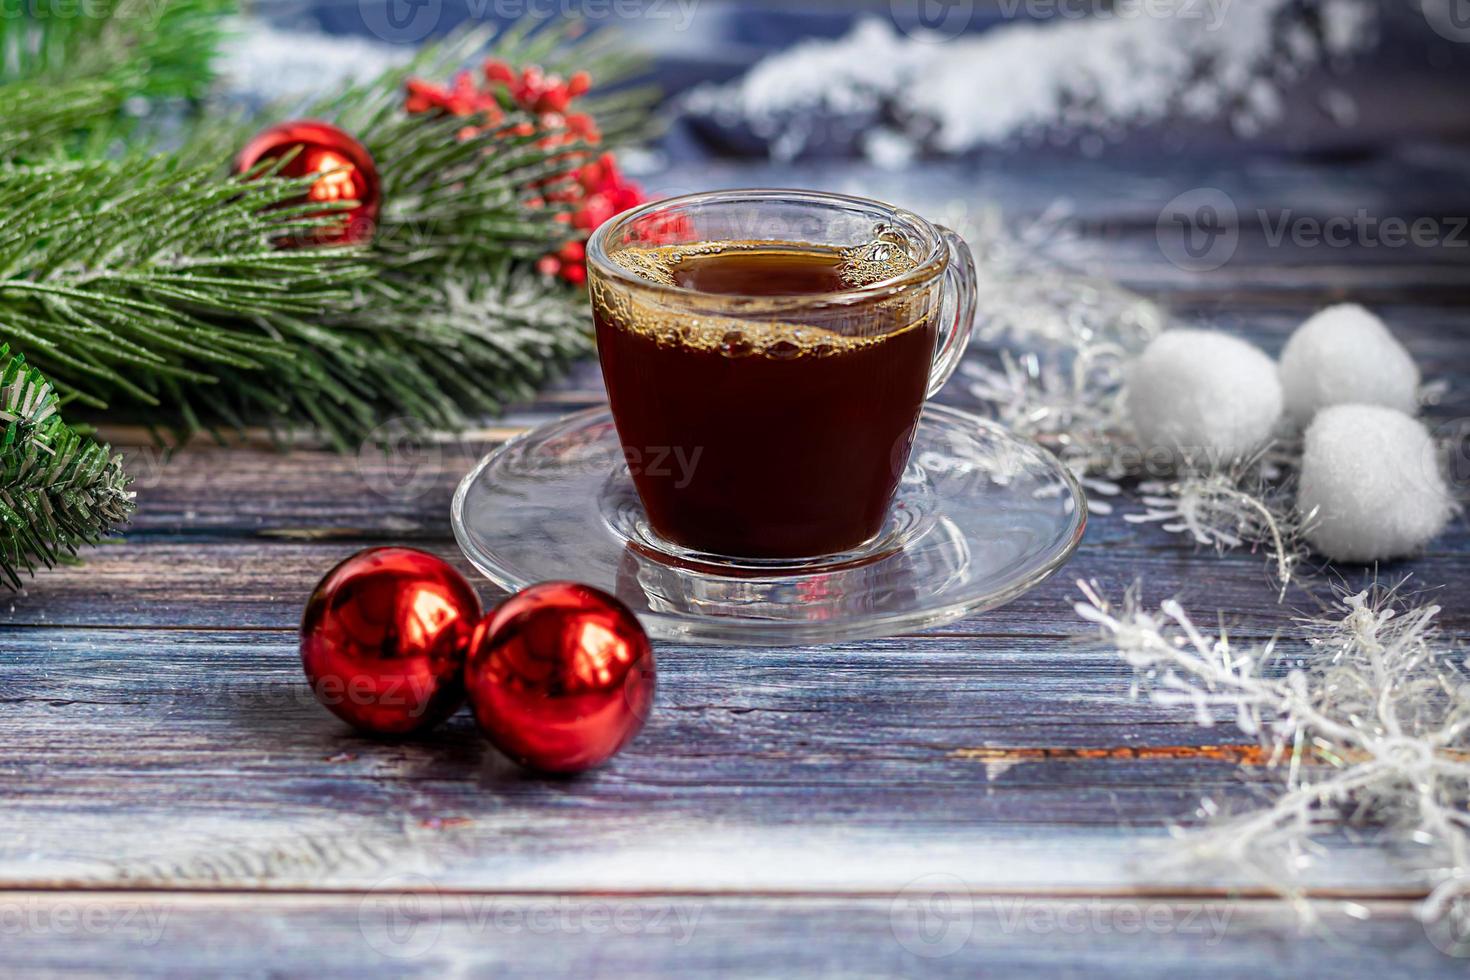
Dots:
{"x": 157, "y": 747}
{"x": 434, "y": 934}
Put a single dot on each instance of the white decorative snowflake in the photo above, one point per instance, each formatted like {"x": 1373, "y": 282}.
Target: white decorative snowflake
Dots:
{"x": 1371, "y": 727}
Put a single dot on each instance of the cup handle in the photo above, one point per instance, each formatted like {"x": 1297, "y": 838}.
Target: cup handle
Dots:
{"x": 961, "y": 290}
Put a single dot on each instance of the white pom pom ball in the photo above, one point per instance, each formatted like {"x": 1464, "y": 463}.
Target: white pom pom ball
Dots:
{"x": 1372, "y": 476}
{"x": 1345, "y": 355}
{"x": 1204, "y": 394}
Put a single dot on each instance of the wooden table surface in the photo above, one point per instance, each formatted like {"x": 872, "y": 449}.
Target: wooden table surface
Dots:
{"x": 980, "y": 799}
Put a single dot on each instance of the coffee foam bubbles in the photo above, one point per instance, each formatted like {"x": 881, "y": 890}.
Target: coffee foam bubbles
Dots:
{"x": 875, "y": 261}
{"x": 841, "y": 328}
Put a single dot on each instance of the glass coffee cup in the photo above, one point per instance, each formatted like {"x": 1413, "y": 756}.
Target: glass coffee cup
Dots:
{"x": 767, "y": 355}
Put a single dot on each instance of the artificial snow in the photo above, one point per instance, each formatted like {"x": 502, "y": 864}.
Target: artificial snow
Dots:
{"x": 1371, "y": 486}
{"x": 1095, "y": 75}
{"x": 266, "y": 64}
{"x": 1344, "y": 355}
{"x": 1208, "y": 396}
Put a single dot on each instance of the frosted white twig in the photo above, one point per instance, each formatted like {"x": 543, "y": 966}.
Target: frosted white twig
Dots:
{"x": 1070, "y": 408}
{"x": 1027, "y": 300}
{"x": 1071, "y": 402}
{"x": 1227, "y": 508}
{"x": 1370, "y": 729}
{"x": 1064, "y": 391}
{"x": 1067, "y": 392}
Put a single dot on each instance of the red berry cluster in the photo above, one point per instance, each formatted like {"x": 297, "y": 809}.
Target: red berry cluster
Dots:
{"x": 546, "y": 96}
{"x": 592, "y": 193}
{"x": 598, "y": 192}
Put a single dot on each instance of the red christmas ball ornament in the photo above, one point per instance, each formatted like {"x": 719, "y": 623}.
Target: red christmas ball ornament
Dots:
{"x": 560, "y": 676}
{"x": 347, "y": 169}
{"x": 384, "y": 639}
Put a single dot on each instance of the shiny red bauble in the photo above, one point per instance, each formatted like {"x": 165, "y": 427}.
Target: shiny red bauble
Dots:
{"x": 347, "y": 169}
{"x": 384, "y": 639}
{"x": 560, "y": 676}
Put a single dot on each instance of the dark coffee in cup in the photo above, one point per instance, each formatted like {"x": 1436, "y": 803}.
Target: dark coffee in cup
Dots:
{"x": 767, "y": 433}
{"x": 767, "y": 354}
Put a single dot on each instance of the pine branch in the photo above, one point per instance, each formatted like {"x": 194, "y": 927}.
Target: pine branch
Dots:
{"x": 58, "y": 490}
{"x": 69, "y": 72}
{"x": 157, "y": 285}
{"x": 449, "y": 200}
{"x": 123, "y": 282}
{"x": 441, "y": 351}
{"x": 179, "y": 300}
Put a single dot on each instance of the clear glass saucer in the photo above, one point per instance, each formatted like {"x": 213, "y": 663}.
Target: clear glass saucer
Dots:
{"x": 981, "y": 517}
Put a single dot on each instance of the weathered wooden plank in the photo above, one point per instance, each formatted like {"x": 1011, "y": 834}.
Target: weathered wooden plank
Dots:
{"x": 194, "y": 758}
{"x": 181, "y": 582}
{"x": 408, "y": 930}
{"x": 1259, "y": 275}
